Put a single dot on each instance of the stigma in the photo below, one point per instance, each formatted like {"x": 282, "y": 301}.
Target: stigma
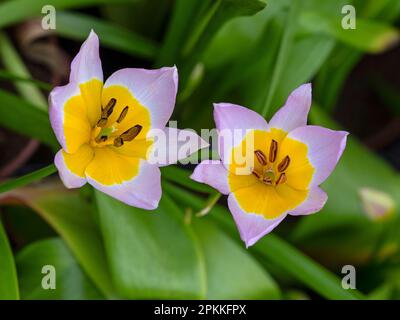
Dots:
{"x": 268, "y": 172}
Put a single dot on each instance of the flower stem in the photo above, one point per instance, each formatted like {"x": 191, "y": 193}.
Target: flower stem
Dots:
{"x": 28, "y": 178}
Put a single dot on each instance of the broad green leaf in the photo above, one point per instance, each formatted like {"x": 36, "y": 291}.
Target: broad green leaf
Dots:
{"x": 239, "y": 36}
{"x": 153, "y": 255}
{"x": 209, "y": 22}
{"x": 274, "y": 250}
{"x": 70, "y": 281}
{"x": 178, "y": 29}
{"x": 8, "y": 275}
{"x": 231, "y": 272}
{"x": 77, "y": 26}
{"x": 23, "y": 117}
{"x": 369, "y": 36}
{"x": 71, "y": 216}
{"x": 15, "y": 11}
{"x": 282, "y": 56}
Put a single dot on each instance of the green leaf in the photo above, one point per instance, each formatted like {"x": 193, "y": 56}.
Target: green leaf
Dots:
{"x": 210, "y": 21}
{"x": 71, "y": 216}
{"x": 282, "y": 57}
{"x": 23, "y": 117}
{"x": 239, "y": 36}
{"x": 77, "y": 26}
{"x": 28, "y": 178}
{"x": 70, "y": 281}
{"x": 178, "y": 29}
{"x": 14, "y": 11}
{"x": 152, "y": 254}
{"x": 352, "y": 173}
{"x": 369, "y": 36}
{"x": 8, "y": 274}
{"x": 231, "y": 272}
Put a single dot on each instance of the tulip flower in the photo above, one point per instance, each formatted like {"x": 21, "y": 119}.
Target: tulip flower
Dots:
{"x": 105, "y": 129}
{"x": 270, "y": 170}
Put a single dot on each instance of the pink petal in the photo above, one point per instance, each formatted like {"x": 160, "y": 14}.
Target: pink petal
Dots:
{"x": 325, "y": 147}
{"x": 251, "y": 226}
{"x": 172, "y": 145}
{"x": 315, "y": 202}
{"x": 213, "y": 173}
{"x": 70, "y": 179}
{"x": 233, "y": 122}
{"x": 143, "y": 191}
{"x": 295, "y": 111}
{"x": 154, "y": 89}
{"x": 87, "y": 64}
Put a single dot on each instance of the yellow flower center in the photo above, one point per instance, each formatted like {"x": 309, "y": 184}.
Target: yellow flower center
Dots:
{"x": 269, "y": 173}
{"x": 105, "y": 132}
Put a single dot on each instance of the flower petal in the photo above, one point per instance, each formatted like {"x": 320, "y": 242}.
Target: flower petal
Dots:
{"x": 315, "y": 202}
{"x": 154, "y": 89}
{"x": 295, "y": 111}
{"x": 233, "y": 122}
{"x": 251, "y": 226}
{"x": 130, "y": 180}
{"x": 213, "y": 173}
{"x": 325, "y": 147}
{"x": 87, "y": 64}
{"x": 172, "y": 145}
{"x": 71, "y": 167}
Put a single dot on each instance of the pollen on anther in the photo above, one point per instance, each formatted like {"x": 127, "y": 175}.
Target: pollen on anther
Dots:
{"x": 281, "y": 179}
{"x": 123, "y": 114}
{"x": 262, "y": 159}
{"x": 131, "y": 133}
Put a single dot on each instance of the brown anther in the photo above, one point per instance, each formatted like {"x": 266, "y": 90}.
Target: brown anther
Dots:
{"x": 267, "y": 180}
{"x": 101, "y": 139}
{"x": 108, "y": 109}
{"x": 131, "y": 133}
{"x": 118, "y": 142}
{"x": 284, "y": 164}
{"x": 123, "y": 114}
{"x": 262, "y": 159}
{"x": 256, "y": 174}
{"x": 281, "y": 179}
{"x": 273, "y": 150}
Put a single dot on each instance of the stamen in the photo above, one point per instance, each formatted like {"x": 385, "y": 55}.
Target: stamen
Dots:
{"x": 256, "y": 174}
{"x": 106, "y": 112}
{"x": 118, "y": 142}
{"x": 101, "y": 139}
{"x": 284, "y": 164}
{"x": 102, "y": 122}
{"x": 282, "y": 179}
{"x": 131, "y": 133}
{"x": 262, "y": 159}
{"x": 123, "y": 114}
{"x": 273, "y": 150}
